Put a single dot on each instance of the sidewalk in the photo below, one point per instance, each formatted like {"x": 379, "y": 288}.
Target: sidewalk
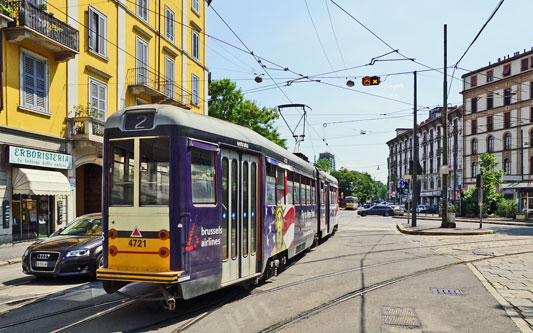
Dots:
{"x": 432, "y": 230}
{"x": 487, "y": 220}
{"x": 11, "y": 253}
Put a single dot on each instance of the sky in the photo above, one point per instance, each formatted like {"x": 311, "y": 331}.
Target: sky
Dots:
{"x": 313, "y": 37}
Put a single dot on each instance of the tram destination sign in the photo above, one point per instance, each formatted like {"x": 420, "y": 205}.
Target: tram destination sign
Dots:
{"x": 27, "y": 156}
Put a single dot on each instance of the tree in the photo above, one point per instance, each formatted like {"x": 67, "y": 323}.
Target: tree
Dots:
{"x": 323, "y": 164}
{"x": 491, "y": 179}
{"x": 227, "y": 102}
{"x": 359, "y": 184}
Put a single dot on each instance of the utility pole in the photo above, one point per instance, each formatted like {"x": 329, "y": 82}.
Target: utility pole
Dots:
{"x": 444, "y": 190}
{"x": 415, "y": 158}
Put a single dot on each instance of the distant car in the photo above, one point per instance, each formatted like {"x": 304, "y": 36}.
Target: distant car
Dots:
{"x": 75, "y": 249}
{"x": 397, "y": 209}
{"x": 421, "y": 208}
{"x": 376, "y": 210}
{"x": 433, "y": 209}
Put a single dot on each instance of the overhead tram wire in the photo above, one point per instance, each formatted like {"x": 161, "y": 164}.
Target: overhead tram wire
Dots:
{"x": 115, "y": 45}
{"x": 317, "y": 35}
{"x": 473, "y": 41}
{"x": 335, "y": 36}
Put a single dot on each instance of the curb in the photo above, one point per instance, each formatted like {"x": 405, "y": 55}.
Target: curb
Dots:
{"x": 10, "y": 262}
{"x": 443, "y": 232}
{"x": 430, "y": 218}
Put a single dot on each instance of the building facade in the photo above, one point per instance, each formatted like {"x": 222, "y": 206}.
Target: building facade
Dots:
{"x": 328, "y": 156}
{"x": 430, "y": 156}
{"x": 498, "y": 101}
{"x": 66, "y": 66}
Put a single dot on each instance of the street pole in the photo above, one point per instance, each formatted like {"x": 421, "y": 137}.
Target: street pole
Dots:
{"x": 415, "y": 158}
{"x": 444, "y": 191}
{"x": 480, "y": 200}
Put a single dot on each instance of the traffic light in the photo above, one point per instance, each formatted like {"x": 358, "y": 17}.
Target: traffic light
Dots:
{"x": 371, "y": 80}
{"x": 462, "y": 193}
{"x": 406, "y": 188}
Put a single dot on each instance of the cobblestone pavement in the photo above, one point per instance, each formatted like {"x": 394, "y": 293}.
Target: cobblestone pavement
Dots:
{"x": 503, "y": 262}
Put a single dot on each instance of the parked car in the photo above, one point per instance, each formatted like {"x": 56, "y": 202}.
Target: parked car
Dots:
{"x": 433, "y": 209}
{"x": 75, "y": 249}
{"x": 421, "y": 208}
{"x": 376, "y": 210}
{"x": 397, "y": 209}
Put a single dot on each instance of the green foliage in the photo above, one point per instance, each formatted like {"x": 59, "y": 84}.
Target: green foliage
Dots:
{"x": 491, "y": 179}
{"x": 7, "y": 10}
{"x": 323, "y": 164}
{"x": 470, "y": 203}
{"x": 506, "y": 208}
{"x": 87, "y": 111}
{"x": 359, "y": 184}
{"x": 228, "y": 103}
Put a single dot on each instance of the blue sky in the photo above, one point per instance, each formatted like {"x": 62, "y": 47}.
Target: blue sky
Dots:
{"x": 282, "y": 32}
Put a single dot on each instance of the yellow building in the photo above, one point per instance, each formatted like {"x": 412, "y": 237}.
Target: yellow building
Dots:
{"x": 67, "y": 65}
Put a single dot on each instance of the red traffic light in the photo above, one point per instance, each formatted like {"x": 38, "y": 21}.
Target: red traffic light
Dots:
{"x": 371, "y": 80}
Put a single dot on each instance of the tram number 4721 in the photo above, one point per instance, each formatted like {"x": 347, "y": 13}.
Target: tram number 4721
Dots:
{"x": 137, "y": 243}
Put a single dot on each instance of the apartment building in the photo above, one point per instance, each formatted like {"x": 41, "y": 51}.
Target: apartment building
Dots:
{"x": 430, "y": 156}
{"x": 498, "y": 101}
{"x": 65, "y": 66}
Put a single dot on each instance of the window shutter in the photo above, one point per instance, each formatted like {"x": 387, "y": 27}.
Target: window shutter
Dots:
{"x": 94, "y": 95}
{"x": 40, "y": 85}
{"x": 93, "y": 24}
{"x": 102, "y": 35}
{"x": 29, "y": 82}
{"x": 102, "y": 106}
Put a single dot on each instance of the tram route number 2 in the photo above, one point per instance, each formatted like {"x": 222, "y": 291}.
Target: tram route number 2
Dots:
{"x": 137, "y": 243}
{"x": 139, "y": 121}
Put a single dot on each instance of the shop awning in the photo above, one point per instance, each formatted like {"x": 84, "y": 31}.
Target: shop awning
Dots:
{"x": 39, "y": 182}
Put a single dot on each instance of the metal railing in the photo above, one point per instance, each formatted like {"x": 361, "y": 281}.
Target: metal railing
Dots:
{"x": 28, "y": 15}
{"x": 165, "y": 89}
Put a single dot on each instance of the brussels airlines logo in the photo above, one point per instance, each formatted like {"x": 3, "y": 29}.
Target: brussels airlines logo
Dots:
{"x": 191, "y": 246}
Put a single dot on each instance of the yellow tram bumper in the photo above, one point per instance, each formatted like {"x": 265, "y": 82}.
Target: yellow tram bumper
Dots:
{"x": 138, "y": 276}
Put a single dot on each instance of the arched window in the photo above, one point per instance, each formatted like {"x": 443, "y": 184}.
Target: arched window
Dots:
{"x": 507, "y": 141}
{"x": 490, "y": 144}
{"x": 474, "y": 146}
{"x": 474, "y": 170}
{"x": 507, "y": 166}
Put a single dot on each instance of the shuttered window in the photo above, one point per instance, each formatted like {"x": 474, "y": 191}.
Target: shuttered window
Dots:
{"x": 169, "y": 23}
{"x": 195, "y": 45}
{"x": 35, "y": 85}
{"x": 98, "y": 93}
{"x": 97, "y": 32}
{"x": 142, "y": 61}
{"x": 142, "y": 9}
{"x": 169, "y": 77}
{"x": 195, "y": 90}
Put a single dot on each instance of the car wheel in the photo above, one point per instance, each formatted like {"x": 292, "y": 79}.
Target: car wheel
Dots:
{"x": 363, "y": 214}
{"x": 386, "y": 214}
{"x": 99, "y": 262}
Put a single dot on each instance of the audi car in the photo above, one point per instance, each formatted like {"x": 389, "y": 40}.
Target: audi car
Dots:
{"x": 75, "y": 249}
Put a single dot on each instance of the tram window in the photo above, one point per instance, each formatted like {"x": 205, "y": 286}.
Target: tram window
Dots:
{"x": 271, "y": 184}
{"x": 203, "y": 176}
{"x": 280, "y": 183}
{"x": 245, "y": 202}
{"x": 234, "y": 191}
{"x": 302, "y": 190}
{"x": 154, "y": 172}
{"x": 121, "y": 177}
{"x": 225, "y": 202}
{"x": 307, "y": 191}
{"x": 253, "y": 207}
{"x": 290, "y": 188}
{"x": 312, "y": 192}
{"x": 296, "y": 189}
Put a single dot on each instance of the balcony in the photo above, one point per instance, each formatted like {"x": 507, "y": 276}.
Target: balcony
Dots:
{"x": 143, "y": 81}
{"x": 43, "y": 30}
{"x": 86, "y": 130}
{"x": 6, "y": 13}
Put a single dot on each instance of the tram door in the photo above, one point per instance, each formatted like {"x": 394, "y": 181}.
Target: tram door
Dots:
{"x": 239, "y": 217}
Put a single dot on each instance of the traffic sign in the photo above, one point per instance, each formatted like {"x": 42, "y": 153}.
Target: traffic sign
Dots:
{"x": 402, "y": 182}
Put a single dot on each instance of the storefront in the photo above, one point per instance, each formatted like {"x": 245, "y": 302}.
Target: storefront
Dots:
{"x": 40, "y": 191}
{"x": 430, "y": 198}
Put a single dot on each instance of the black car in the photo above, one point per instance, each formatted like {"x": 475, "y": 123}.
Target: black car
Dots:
{"x": 376, "y": 210}
{"x": 75, "y": 249}
{"x": 433, "y": 209}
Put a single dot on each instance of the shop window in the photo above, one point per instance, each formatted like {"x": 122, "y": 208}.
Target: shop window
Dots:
{"x": 203, "y": 176}
{"x": 121, "y": 178}
{"x": 155, "y": 174}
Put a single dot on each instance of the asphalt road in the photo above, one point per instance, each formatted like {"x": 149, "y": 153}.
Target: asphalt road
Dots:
{"x": 366, "y": 278}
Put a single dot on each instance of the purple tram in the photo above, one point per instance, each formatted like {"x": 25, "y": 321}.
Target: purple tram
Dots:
{"x": 194, "y": 203}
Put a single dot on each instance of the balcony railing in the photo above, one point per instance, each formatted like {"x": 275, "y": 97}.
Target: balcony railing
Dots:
{"x": 87, "y": 128}
{"x": 44, "y": 30}
{"x": 143, "y": 81}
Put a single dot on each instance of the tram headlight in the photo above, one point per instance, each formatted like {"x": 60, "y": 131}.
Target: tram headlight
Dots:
{"x": 78, "y": 253}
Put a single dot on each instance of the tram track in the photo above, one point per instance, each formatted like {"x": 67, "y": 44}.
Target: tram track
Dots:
{"x": 360, "y": 292}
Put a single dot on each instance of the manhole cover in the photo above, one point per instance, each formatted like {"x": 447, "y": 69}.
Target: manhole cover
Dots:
{"x": 393, "y": 315}
{"x": 443, "y": 291}
{"x": 483, "y": 253}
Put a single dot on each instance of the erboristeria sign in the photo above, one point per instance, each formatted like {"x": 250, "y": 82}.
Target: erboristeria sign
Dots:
{"x": 27, "y": 156}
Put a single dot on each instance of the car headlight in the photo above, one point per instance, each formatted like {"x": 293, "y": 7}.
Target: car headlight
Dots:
{"x": 78, "y": 253}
